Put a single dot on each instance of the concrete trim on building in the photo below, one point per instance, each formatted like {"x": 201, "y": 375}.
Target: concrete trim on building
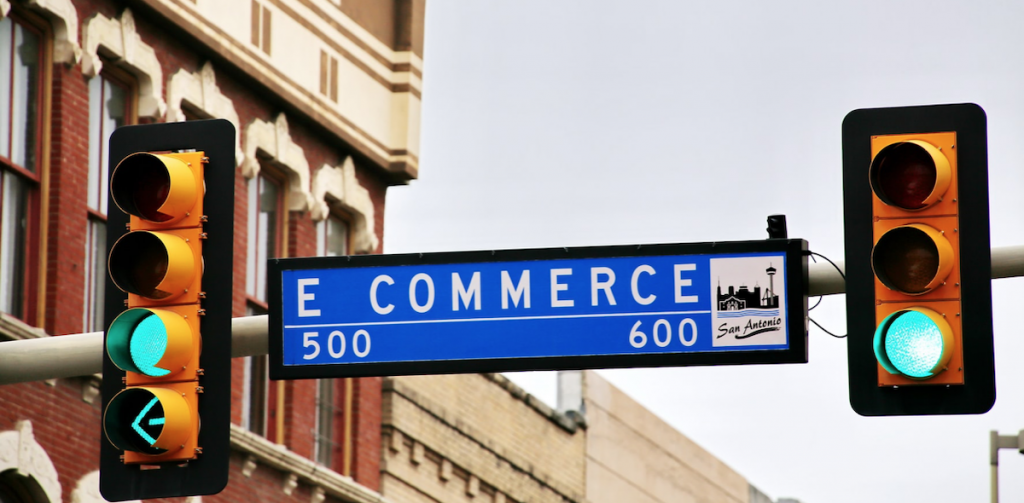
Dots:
{"x": 119, "y": 38}
{"x": 338, "y": 185}
{"x": 64, "y": 21}
{"x": 87, "y": 490}
{"x": 274, "y": 141}
{"x": 19, "y": 451}
{"x": 199, "y": 90}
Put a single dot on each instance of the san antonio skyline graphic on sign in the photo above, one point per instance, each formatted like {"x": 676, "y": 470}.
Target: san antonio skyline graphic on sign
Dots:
{"x": 748, "y": 293}
{"x": 743, "y": 298}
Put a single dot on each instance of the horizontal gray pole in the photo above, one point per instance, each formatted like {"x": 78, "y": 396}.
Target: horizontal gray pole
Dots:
{"x": 82, "y": 354}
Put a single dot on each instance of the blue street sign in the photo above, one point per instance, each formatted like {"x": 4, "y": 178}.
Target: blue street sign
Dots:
{"x": 539, "y": 309}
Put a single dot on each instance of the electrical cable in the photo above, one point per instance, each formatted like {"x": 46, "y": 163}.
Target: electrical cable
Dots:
{"x": 840, "y": 271}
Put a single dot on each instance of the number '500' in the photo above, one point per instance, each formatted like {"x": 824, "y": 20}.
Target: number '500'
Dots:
{"x": 336, "y": 344}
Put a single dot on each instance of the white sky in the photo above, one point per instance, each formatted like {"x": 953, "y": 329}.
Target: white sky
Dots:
{"x": 592, "y": 122}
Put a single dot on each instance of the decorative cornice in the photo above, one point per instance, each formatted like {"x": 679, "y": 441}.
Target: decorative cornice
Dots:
{"x": 275, "y": 142}
{"x": 324, "y": 480}
{"x": 119, "y": 40}
{"x": 339, "y": 186}
{"x": 200, "y": 91}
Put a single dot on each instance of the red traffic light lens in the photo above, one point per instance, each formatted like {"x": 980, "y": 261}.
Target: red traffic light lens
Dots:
{"x": 912, "y": 259}
{"x": 911, "y": 175}
{"x": 157, "y": 188}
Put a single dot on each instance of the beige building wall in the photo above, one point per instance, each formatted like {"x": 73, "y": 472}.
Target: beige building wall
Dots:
{"x": 355, "y": 67}
{"x": 634, "y": 456}
{"x": 477, "y": 438}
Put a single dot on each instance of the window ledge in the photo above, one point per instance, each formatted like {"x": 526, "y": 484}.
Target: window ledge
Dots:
{"x": 332, "y": 483}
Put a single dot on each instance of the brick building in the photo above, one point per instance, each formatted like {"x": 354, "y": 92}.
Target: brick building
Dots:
{"x": 325, "y": 98}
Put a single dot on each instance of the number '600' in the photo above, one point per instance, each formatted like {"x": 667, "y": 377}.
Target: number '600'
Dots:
{"x": 662, "y": 334}
{"x": 336, "y": 344}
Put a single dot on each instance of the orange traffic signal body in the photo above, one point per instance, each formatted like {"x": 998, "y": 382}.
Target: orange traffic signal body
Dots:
{"x": 916, "y": 247}
{"x": 157, "y": 340}
{"x": 918, "y": 262}
{"x": 167, "y": 309}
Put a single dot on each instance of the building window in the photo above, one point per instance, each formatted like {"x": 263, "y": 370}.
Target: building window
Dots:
{"x": 254, "y": 394}
{"x": 331, "y": 241}
{"x": 329, "y": 76}
{"x": 265, "y": 212}
{"x": 264, "y": 231}
{"x": 20, "y": 112}
{"x": 332, "y": 237}
{"x": 324, "y": 435}
{"x": 109, "y": 109}
{"x": 261, "y": 26}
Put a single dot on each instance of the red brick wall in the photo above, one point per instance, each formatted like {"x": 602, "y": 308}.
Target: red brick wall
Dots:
{"x": 68, "y": 428}
{"x": 67, "y": 209}
{"x": 366, "y": 431}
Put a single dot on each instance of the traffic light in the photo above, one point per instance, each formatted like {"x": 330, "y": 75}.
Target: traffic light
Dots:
{"x": 167, "y": 365}
{"x": 918, "y": 264}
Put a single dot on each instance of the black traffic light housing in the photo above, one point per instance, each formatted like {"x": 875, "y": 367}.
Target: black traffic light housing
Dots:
{"x": 122, "y": 475}
{"x": 873, "y": 391}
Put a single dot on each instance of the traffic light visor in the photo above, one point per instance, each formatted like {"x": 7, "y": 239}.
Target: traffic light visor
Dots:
{"x": 155, "y": 265}
{"x": 147, "y": 420}
{"x": 915, "y": 342}
{"x": 152, "y": 342}
{"x": 153, "y": 187}
{"x": 912, "y": 175}
{"x": 912, "y": 259}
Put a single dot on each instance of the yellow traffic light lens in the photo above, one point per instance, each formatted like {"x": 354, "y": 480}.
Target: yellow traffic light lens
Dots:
{"x": 157, "y": 188}
{"x": 154, "y": 265}
{"x": 911, "y": 175}
{"x": 912, "y": 259}
{"x": 915, "y": 342}
{"x": 147, "y": 420}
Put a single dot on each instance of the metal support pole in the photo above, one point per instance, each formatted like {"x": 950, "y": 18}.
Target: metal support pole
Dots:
{"x": 996, "y": 442}
{"x": 82, "y": 354}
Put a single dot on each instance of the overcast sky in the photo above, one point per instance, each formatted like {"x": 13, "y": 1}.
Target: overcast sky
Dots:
{"x": 558, "y": 123}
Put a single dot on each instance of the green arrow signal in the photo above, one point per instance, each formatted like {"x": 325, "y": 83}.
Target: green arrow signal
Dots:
{"x": 138, "y": 419}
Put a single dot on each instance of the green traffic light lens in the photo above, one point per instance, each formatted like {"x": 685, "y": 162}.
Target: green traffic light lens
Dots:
{"x": 912, "y": 343}
{"x": 147, "y": 345}
{"x": 136, "y": 341}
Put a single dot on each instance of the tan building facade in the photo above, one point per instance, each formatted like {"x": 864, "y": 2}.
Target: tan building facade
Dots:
{"x": 477, "y": 438}
{"x": 480, "y": 438}
{"x": 633, "y": 455}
